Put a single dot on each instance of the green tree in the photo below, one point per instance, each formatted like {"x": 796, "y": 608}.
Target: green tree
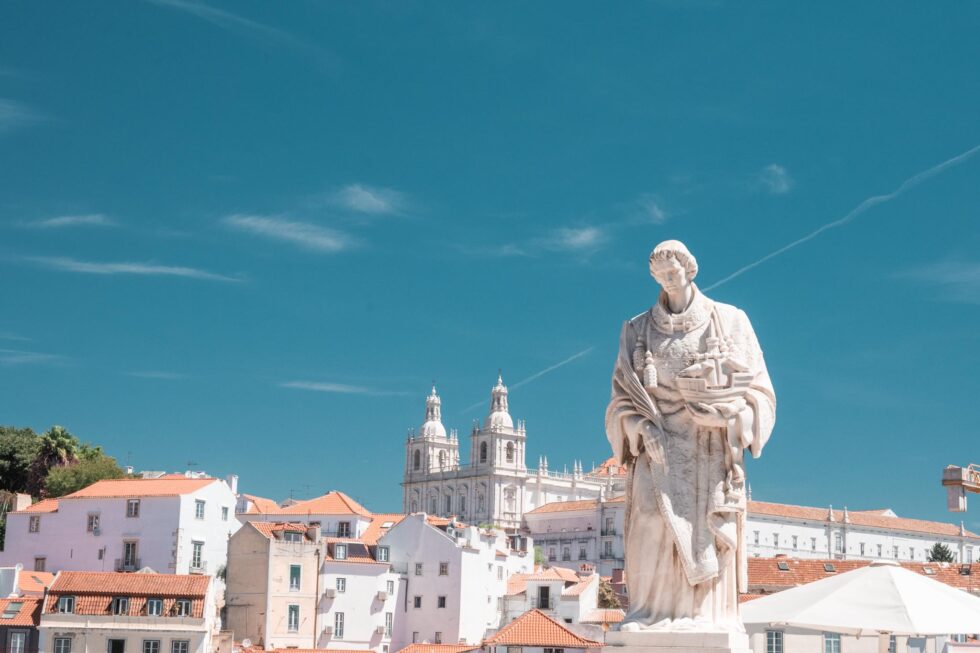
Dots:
{"x": 18, "y": 449}
{"x": 940, "y": 553}
{"x": 538, "y": 556}
{"x": 92, "y": 466}
{"x": 59, "y": 448}
{"x": 607, "y": 596}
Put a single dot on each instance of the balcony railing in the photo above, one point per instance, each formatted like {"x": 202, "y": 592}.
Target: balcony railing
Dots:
{"x": 608, "y": 555}
{"x": 544, "y": 603}
{"x": 606, "y": 532}
{"x": 128, "y": 564}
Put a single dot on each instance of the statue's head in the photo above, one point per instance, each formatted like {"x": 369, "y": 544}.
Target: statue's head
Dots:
{"x": 672, "y": 265}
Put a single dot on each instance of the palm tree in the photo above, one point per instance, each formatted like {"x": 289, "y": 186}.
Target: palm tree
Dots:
{"x": 59, "y": 448}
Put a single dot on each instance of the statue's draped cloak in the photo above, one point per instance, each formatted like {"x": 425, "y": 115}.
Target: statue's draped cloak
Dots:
{"x": 685, "y": 515}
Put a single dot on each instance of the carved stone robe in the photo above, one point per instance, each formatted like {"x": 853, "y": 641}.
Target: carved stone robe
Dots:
{"x": 685, "y": 551}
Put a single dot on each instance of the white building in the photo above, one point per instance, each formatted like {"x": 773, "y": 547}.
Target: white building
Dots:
{"x": 107, "y": 612}
{"x": 558, "y": 592}
{"x": 572, "y": 533}
{"x": 495, "y": 486}
{"x": 173, "y": 525}
{"x": 288, "y": 587}
{"x": 805, "y": 532}
{"x": 455, "y": 580}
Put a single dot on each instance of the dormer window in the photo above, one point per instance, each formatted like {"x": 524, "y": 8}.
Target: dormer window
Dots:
{"x": 66, "y": 604}
{"x": 154, "y": 607}
{"x": 383, "y": 553}
{"x": 292, "y": 536}
{"x": 340, "y": 551}
{"x": 119, "y": 605}
{"x": 182, "y": 608}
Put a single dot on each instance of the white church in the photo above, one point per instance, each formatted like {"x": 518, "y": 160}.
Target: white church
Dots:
{"x": 495, "y": 486}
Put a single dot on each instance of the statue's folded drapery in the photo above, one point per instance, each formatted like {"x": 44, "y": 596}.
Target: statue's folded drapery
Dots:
{"x": 686, "y": 492}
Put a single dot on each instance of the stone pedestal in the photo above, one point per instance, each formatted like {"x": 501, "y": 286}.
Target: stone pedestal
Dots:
{"x": 652, "y": 641}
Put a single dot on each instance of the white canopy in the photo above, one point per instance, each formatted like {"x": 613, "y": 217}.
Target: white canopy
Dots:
{"x": 880, "y": 598}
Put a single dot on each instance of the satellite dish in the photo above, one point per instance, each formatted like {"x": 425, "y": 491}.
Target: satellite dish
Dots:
{"x": 246, "y": 643}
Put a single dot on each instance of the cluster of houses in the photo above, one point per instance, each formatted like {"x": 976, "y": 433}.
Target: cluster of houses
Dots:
{"x": 185, "y": 563}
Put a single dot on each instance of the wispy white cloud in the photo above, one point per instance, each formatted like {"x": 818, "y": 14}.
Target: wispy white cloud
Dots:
{"x": 21, "y": 357}
{"x": 249, "y": 29}
{"x": 87, "y": 220}
{"x": 337, "y": 388}
{"x": 301, "y": 234}
{"x": 575, "y": 238}
{"x": 775, "y": 179}
{"x": 7, "y": 335}
{"x": 156, "y": 374}
{"x": 534, "y": 377}
{"x": 954, "y": 281}
{"x": 650, "y": 209}
{"x": 14, "y": 115}
{"x": 147, "y": 269}
{"x": 866, "y": 204}
{"x": 370, "y": 200}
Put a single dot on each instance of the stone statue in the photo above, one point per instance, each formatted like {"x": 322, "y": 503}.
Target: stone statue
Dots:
{"x": 690, "y": 392}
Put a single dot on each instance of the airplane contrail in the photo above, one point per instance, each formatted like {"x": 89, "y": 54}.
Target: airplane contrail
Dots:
{"x": 536, "y": 375}
{"x": 909, "y": 183}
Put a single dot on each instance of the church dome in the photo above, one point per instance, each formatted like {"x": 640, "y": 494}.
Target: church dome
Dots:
{"x": 432, "y": 427}
{"x": 499, "y": 416}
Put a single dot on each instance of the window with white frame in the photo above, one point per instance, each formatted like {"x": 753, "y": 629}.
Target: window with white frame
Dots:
{"x": 154, "y": 607}
{"x": 197, "y": 555}
{"x": 224, "y": 513}
{"x": 119, "y": 605}
{"x": 390, "y": 585}
{"x": 151, "y": 646}
{"x": 775, "y": 540}
{"x": 774, "y": 641}
{"x": 130, "y": 554}
{"x": 34, "y": 524}
{"x": 795, "y": 543}
{"x": 132, "y": 511}
{"x": 389, "y": 621}
{"x": 861, "y": 547}
{"x": 182, "y": 608}
{"x": 66, "y": 604}
{"x": 813, "y": 544}
{"x": 443, "y": 568}
{"x": 292, "y": 619}
{"x": 418, "y": 568}
{"x": 838, "y": 543}
{"x": 295, "y": 572}
{"x": 554, "y": 650}
{"x": 340, "y": 551}
{"x": 831, "y": 643}
{"x": 292, "y": 536}
{"x": 92, "y": 523}
{"x": 180, "y": 646}
{"x": 755, "y": 537}
{"x": 40, "y": 562}
{"x": 62, "y": 645}
{"x": 341, "y": 584}
{"x": 343, "y": 529}
{"x": 383, "y": 553}
{"x": 17, "y": 641}
{"x": 338, "y": 625}
{"x": 198, "y": 509}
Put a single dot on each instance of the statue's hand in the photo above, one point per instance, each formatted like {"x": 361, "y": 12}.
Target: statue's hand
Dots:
{"x": 715, "y": 415}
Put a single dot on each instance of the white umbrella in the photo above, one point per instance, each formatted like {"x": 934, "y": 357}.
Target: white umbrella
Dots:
{"x": 880, "y": 598}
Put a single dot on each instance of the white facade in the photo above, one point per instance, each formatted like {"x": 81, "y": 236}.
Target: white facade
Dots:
{"x": 171, "y": 525}
{"x": 573, "y": 533}
{"x": 454, "y": 580}
{"x": 495, "y": 486}
{"x": 557, "y": 592}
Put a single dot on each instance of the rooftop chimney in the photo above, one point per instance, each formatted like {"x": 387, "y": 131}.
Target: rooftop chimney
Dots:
{"x": 232, "y": 482}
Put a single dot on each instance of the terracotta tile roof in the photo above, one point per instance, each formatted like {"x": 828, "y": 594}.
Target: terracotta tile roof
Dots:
{"x": 260, "y": 505}
{"x": 141, "y": 487}
{"x": 311, "y": 650}
{"x": 535, "y": 628}
{"x": 357, "y": 551}
{"x": 766, "y": 577}
{"x": 574, "y": 591}
{"x": 869, "y": 519}
{"x": 377, "y": 527}
{"x": 34, "y": 582}
{"x": 44, "y": 505}
{"x": 438, "y": 648}
{"x": 122, "y": 584}
{"x": 556, "y": 573}
{"x": 564, "y": 506}
{"x": 94, "y": 591}
{"x": 331, "y": 503}
{"x": 517, "y": 584}
{"x": 609, "y": 467}
{"x": 604, "y": 616}
{"x": 28, "y": 614}
{"x": 275, "y": 529}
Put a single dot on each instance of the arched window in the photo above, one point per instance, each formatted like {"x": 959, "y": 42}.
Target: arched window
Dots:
{"x": 462, "y": 504}
{"x": 510, "y": 452}
{"x": 417, "y": 459}
{"x": 483, "y": 452}
{"x": 415, "y": 505}
{"x": 481, "y": 503}
{"x": 432, "y": 505}
{"x": 442, "y": 459}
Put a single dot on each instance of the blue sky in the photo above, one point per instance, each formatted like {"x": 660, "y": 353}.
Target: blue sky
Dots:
{"x": 249, "y": 235}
